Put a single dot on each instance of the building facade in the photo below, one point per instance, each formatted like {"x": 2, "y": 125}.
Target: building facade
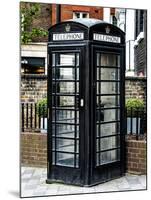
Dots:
{"x": 140, "y": 45}
{"x": 34, "y": 54}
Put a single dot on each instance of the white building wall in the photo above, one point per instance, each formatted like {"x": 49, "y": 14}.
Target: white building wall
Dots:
{"x": 130, "y": 30}
{"x": 126, "y": 22}
{"x": 106, "y": 14}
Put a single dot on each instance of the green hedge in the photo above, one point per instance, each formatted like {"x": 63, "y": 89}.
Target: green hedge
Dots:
{"x": 42, "y": 107}
{"x": 135, "y": 105}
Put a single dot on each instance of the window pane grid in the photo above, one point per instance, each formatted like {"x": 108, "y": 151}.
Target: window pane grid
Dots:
{"x": 107, "y": 108}
{"x": 65, "y": 122}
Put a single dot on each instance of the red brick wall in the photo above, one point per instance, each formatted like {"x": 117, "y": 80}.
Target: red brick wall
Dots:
{"x": 67, "y": 12}
{"x": 34, "y": 149}
{"x": 34, "y": 152}
{"x": 136, "y": 156}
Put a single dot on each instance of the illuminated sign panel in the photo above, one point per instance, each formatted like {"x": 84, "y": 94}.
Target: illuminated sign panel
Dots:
{"x": 68, "y": 36}
{"x": 106, "y": 38}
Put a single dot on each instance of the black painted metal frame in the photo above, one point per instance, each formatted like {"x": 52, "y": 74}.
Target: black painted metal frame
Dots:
{"x": 86, "y": 173}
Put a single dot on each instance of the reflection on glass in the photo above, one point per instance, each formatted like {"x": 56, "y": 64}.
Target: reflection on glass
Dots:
{"x": 107, "y": 143}
{"x": 110, "y": 129}
{"x": 64, "y": 116}
{"x": 108, "y": 60}
{"x": 108, "y": 115}
{"x": 66, "y": 87}
{"x": 65, "y": 59}
{"x": 65, "y": 101}
{"x": 110, "y": 156}
{"x": 107, "y": 87}
{"x": 65, "y": 130}
{"x": 98, "y": 59}
{"x": 108, "y": 101}
{"x": 108, "y": 74}
{"x": 65, "y": 73}
{"x": 65, "y": 159}
{"x": 77, "y": 160}
{"x": 65, "y": 145}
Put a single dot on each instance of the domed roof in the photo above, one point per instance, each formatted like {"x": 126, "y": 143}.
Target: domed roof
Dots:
{"x": 87, "y": 21}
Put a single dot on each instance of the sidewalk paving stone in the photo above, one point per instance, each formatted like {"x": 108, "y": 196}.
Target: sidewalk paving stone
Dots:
{"x": 33, "y": 183}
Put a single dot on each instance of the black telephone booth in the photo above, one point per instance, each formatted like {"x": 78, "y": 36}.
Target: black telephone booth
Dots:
{"x": 86, "y": 65}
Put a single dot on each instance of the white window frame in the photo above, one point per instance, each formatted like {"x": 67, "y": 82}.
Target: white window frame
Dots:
{"x": 80, "y": 14}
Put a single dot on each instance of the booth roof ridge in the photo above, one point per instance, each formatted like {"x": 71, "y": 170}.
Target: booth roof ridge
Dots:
{"x": 87, "y": 21}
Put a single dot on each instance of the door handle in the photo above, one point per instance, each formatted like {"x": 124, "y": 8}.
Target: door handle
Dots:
{"x": 81, "y": 102}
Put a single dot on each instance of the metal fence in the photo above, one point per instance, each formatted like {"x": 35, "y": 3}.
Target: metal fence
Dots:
{"x": 136, "y": 122}
{"x": 34, "y": 119}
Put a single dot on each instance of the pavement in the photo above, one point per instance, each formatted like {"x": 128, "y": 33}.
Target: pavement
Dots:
{"x": 33, "y": 184}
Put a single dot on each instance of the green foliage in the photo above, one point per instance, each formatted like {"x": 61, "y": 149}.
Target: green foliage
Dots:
{"x": 42, "y": 107}
{"x": 135, "y": 105}
{"x": 28, "y": 14}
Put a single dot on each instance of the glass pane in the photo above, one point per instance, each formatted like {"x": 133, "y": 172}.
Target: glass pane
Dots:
{"x": 53, "y": 158}
{"x": 110, "y": 156}
{"x": 110, "y": 129}
{"x": 77, "y": 59}
{"x": 98, "y": 133}
{"x": 66, "y": 87}
{"x": 65, "y": 159}
{"x": 109, "y": 74}
{"x": 108, "y": 115}
{"x": 65, "y": 101}
{"x": 66, "y": 145}
{"x": 77, "y": 131}
{"x": 98, "y": 59}
{"x": 77, "y": 160}
{"x": 77, "y": 71}
{"x": 118, "y": 61}
{"x": 108, "y": 60}
{"x": 109, "y": 101}
{"x": 64, "y": 130}
{"x": 109, "y": 143}
{"x": 108, "y": 87}
{"x": 77, "y": 120}
{"x": 65, "y": 59}
{"x": 77, "y": 87}
{"x": 65, "y": 116}
{"x": 63, "y": 73}
{"x": 77, "y": 147}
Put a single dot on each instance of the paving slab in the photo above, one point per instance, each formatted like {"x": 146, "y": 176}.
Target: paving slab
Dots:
{"x": 33, "y": 183}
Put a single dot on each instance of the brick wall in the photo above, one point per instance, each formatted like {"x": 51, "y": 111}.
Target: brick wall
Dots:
{"x": 136, "y": 87}
{"x": 67, "y": 12}
{"x": 34, "y": 149}
{"x": 34, "y": 87}
{"x": 34, "y": 152}
{"x": 136, "y": 156}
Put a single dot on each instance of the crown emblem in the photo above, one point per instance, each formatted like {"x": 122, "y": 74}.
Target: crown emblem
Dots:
{"x": 67, "y": 28}
{"x": 107, "y": 29}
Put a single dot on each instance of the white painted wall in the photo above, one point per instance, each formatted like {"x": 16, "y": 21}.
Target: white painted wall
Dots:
{"x": 106, "y": 14}
{"x": 127, "y": 16}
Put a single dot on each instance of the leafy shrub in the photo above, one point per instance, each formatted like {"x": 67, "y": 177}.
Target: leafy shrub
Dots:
{"x": 135, "y": 105}
{"x": 42, "y": 107}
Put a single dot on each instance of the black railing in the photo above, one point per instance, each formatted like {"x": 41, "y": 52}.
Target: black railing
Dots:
{"x": 34, "y": 119}
{"x": 136, "y": 122}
